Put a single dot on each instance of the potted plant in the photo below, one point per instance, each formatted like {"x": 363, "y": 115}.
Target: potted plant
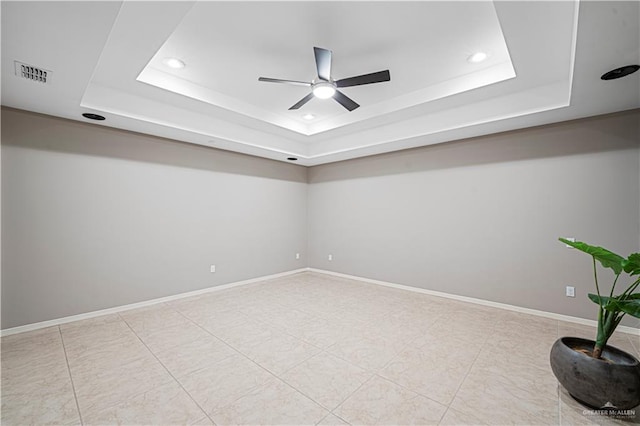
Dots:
{"x": 595, "y": 374}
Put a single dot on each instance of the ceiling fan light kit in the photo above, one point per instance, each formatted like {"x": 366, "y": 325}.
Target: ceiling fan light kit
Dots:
{"x": 323, "y": 90}
{"x": 325, "y": 87}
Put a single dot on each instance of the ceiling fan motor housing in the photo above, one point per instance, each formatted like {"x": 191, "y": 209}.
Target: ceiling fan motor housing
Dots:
{"x": 325, "y": 87}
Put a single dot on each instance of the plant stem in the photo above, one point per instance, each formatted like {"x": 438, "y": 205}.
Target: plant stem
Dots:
{"x": 614, "y": 285}
{"x": 597, "y": 353}
{"x": 595, "y": 277}
{"x": 630, "y": 290}
{"x": 600, "y": 336}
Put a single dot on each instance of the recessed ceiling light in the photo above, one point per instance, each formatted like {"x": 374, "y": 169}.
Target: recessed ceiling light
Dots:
{"x": 174, "y": 63}
{"x": 620, "y": 72}
{"x": 477, "y": 57}
{"x": 92, "y": 116}
{"x": 323, "y": 90}
{"x": 308, "y": 116}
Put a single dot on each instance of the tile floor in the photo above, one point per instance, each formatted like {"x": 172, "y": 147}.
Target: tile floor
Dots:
{"x": 303, "y": 349}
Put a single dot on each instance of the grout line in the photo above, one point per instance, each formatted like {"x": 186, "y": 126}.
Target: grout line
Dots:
{"x": 239, "y": 353}
{"x": 276, "y": 376}
{"x": 475, "y": 359}
{"x": 332, "y": 414}
{"x": 374, "y": 372}
{"x": 411, "y": 390}
{"x": 445, "y": 413}
{"x": 351, "y": 394}
{"x": 73, "y": 387}
{"x": 165, "y": 367}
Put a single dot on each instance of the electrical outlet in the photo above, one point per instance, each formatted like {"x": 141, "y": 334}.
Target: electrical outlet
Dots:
{"x": 297, "y": 255}
{"x": 213, "y": 268}
{"x": 330, "y": 257}
{"x": 570, "y": 291}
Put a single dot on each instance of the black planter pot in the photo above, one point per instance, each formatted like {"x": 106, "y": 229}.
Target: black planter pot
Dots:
{"x": 597, "y": 383}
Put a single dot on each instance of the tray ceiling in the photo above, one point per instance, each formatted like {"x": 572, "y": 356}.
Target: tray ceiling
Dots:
{"x": 543, "y": 65}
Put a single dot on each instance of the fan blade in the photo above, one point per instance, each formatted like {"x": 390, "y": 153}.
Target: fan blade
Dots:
{"x": 302, "y": 101}
{"x": 277, "y": 80}
{"x": 345, "y": 101}
{"x": 323, "y": 63}
{"x": 374, "y": 77}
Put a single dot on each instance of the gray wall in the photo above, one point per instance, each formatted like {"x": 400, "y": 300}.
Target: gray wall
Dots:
{"x": 481, "y": 217}
{"x": 94, "y": 217}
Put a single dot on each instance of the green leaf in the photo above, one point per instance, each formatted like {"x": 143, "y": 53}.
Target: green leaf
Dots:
{"x": 631, "y": 304}
{"x": 632, "y": 264}
{"x": 631, "y": 307}
{"x": 608, "y": 303}
{"x": 607, "y": 258}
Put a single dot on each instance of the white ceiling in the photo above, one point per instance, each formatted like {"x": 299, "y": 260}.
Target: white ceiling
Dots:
{"x": 545, "y": 60}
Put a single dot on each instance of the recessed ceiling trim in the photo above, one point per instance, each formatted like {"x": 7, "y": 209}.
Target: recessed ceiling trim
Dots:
{"x": 574, "y": 41}
{"x": 106, "y": 99}
{"x": 163, "y": 80}
{"x": 209, "y": 28}
{"x": 490, "y": 75}
{"x": 94, "y": 63}
{"x": 506, "y": 107}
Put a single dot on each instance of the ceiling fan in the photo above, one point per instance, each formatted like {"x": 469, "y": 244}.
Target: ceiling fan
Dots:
{"x": 325, "y": 87}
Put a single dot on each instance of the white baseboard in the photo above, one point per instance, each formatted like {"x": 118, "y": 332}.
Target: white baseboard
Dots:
{"x": 545, "y": 314}
{"x": 87, "y": 315}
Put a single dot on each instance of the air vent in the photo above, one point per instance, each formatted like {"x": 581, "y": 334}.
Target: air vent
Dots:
{"x": 32, "y": 73}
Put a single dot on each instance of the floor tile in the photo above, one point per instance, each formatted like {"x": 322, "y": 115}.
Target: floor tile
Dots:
{"x": 497, "y": 397}
{"x": 205, "y": 421}
{"x": 218, "y": 322}
{"x": 158, "y": 340}
{"x": 41, "y": 395}
{"x": 95, "y": 333}
{"x": 435, "y": 370}
{"x": 184, "y": 359}
{"x": 30, "y": 351}
{"x": 320, "y": 332}
{"x": 303, "y": 349}
{"x": 99, "y": 388}
{"x": 153, "y": 318}
{"x": 403, "y": 329}
{"x": 381, "y": 402}
{"x": 106, "y": 357}
{"x": 475, "y": 329}
{"x": 332, "y": 420}
{"x": 245, "y": 336}
{"x": 574, "y": 413}
{"x": 218, "y": 386}
{"x": 281, "y": 352}
{"x": 326, "y": 379}
{"x": 287, "y": 319}
{"x": 456, "y": 418}
{"x": 165, "y": 405}
{"x": 29, "y": 346}
{"x": 369, "y": 352}
{"x": 274, "y": 403}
